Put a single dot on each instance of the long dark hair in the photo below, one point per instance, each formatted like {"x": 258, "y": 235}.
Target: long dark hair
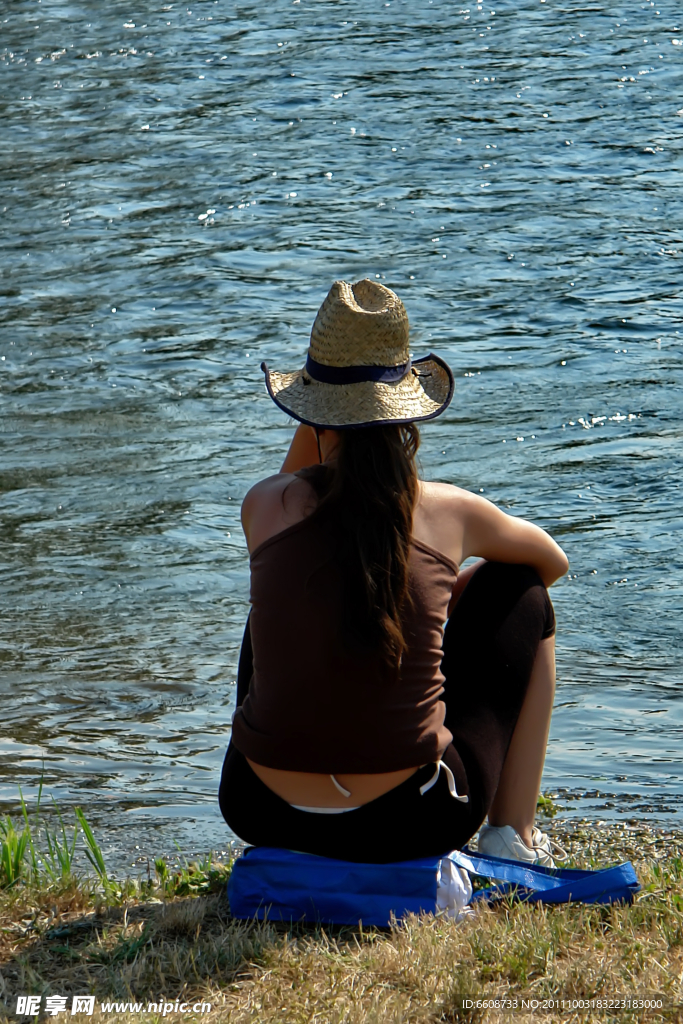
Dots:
{"x": 370, "y": 490}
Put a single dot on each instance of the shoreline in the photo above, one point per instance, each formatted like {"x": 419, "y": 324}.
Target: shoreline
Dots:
{"x": 569, "y": 809}
{"x": 172, "y": 935}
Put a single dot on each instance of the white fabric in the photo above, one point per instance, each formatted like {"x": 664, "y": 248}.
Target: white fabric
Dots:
{"x": 453, "y": 890}
{"x": 451, "y": 783}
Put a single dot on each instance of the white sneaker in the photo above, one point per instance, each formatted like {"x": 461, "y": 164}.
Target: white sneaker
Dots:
{"x": 504, "y": 841}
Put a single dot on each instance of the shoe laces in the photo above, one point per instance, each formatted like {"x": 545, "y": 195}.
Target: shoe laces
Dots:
{"x": 541, "y": 838}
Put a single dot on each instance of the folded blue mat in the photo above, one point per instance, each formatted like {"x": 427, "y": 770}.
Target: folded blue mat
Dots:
{"x": 282, "y": 885}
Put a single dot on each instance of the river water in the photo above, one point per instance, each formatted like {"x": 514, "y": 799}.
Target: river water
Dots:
{"x": 180, "y": 184}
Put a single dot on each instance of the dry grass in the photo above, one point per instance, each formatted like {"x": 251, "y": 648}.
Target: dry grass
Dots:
{"x": 72, "y": 941}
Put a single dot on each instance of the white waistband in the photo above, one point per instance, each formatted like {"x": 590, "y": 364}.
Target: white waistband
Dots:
{"x": 323, "y": 810}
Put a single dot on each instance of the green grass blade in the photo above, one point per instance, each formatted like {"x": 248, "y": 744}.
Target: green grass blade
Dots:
{"x": 62, "y": 852}
{"x": 93, "y": 851}
{"x": 27, "y": 829}
{"x": 12, "y": 854}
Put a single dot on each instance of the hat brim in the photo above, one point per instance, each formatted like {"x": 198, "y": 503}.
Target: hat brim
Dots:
{"x": 422, "y": 394}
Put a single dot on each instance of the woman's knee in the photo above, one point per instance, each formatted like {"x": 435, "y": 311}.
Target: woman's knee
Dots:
{"x": 502, "y": 592}
{"x": 521, "y": 587}
{"x": 509, "y": 575}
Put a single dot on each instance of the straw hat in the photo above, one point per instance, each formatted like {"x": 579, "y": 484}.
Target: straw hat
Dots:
{"x": 358, "y": 371}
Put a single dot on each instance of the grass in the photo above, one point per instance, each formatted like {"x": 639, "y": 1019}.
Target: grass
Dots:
{"x": 171, "y": 937}
{"x": 20, "y": 859}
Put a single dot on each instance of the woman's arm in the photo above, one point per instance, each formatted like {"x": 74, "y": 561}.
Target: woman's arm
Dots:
{"x": 263, "y": 508}
{"x": 303, "y": 451}
{"x": 497, "y": 537}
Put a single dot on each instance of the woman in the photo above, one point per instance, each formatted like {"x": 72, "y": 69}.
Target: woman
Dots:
{"x": 365, "y": 729}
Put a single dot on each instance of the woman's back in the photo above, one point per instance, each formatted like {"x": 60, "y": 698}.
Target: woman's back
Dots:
{"x": 333, "y": 705}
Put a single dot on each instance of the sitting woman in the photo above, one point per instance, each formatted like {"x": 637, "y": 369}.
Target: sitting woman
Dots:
{"x": 365, "y": 728}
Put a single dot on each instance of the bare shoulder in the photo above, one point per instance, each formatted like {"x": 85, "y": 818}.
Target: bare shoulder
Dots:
{"x": 438, "y": 498}
{"x": 265, "y": 490}
{"x": 432, "y": 491}
{"x": 440, "y": 516}
{"x": 273, "y": 504}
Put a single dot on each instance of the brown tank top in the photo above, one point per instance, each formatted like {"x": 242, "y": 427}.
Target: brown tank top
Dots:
{"x": 314, "y": 705}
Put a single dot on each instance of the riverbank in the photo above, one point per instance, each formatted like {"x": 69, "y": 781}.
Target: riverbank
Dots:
{"x": 168, "y": 938}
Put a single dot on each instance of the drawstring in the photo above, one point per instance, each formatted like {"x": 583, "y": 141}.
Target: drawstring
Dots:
{"x": 451, "y": 783}
{"x": 320, "y": 460}
{"x": 344, "y": 792}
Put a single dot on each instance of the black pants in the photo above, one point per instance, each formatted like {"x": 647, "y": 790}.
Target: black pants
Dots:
{"x": 490, "y": 644}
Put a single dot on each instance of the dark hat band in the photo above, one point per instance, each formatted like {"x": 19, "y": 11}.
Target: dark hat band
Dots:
{"x": 356, "y": 374}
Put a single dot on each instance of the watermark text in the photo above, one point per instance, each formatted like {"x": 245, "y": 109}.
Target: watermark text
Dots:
{"x": 31, "y": 1006}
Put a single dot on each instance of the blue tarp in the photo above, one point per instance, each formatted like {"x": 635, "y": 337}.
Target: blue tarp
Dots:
{"x": 286, "y": 886}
